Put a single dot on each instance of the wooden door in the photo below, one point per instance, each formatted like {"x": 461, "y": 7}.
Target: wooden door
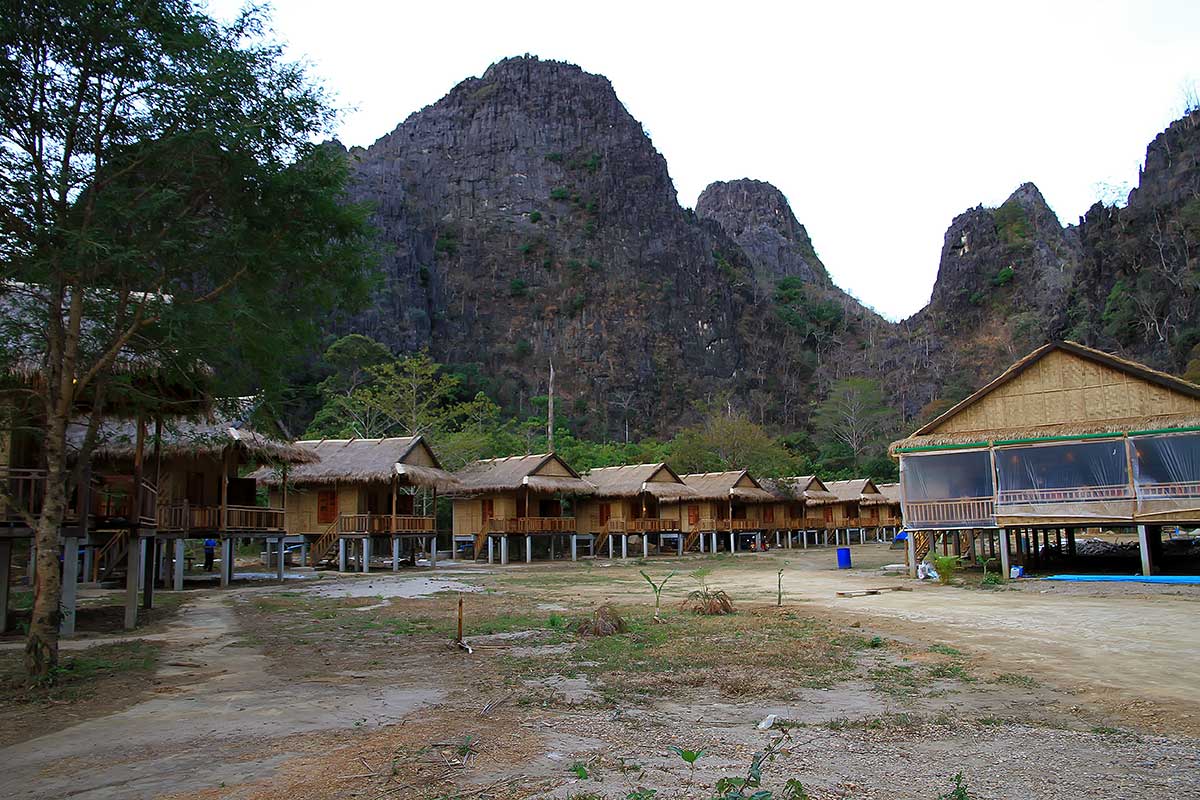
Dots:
{"x": 829, "y": 513}
{"x": 768, "y": 513}
{"x": 693, "y": 515}
{"x": 605, "y": 514}
{"x": 327, "y": 506}
{"x": 489, "y": 510}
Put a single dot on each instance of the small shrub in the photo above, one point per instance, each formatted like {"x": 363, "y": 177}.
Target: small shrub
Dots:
{"x": 605, "y": 621}
{"x": 522, "y": 349}
{"x": 959, "y": 792}
{"x": 517, "y": 288}
{"x": 992, "y": 579}
{"x": 977, "y": 298}
{"x": 535, "y": 216}
{"x": 946, "y": 566}
{"x": 560, "y": 194}
{"x": 554, "y": 158}
{"x": 1003, "y": 277}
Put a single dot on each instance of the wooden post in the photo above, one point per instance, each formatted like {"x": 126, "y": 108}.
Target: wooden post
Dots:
{"x": 70, "y": 579}
{"x": 1071, "y": 542}
{"x": 132, "y": 567}
{"x": 1144, "y": 549}
{"x": 1005, "y": 561}
{"x": 910, "y": 553}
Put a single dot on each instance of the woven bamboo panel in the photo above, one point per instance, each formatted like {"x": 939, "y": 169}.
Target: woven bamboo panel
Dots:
{"x": 1064, "y": 388}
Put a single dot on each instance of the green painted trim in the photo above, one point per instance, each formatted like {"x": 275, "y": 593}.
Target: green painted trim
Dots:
{"x": 1075, "y": 438}
{"x": 930, "y": 447}
{"x": 1190, "y": 429}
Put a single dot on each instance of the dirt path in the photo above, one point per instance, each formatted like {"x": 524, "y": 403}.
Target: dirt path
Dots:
{"x": 206, "y": 734}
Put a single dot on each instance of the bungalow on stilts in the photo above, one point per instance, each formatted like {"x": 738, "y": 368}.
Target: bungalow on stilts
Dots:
{"x": 632, "y": 504}
{"x": 358, "y": 495}
{"x": 856, "y": 509}
{"x": 730, "y": 506}
{"x": 530, "y": 497}
{"x": 1065, "y": 439}
{"x": 803, "y": 505}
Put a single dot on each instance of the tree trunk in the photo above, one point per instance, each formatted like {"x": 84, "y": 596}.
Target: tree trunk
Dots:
{"x": 41, "y": 648}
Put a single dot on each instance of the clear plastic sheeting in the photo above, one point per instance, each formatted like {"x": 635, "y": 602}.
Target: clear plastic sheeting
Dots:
{"x": 1166, "y": 471}
{"x": 947, "y": 490}
{"x": 1084, "y": 479}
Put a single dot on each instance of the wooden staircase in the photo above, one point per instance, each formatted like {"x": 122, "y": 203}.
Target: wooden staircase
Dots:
{"x": 600, "y": 540}
{"x": 323, "y": 549}
{"x": 692, "y": 540}
{"x": 922, "y": 543}
{"x": 111, "y": 556}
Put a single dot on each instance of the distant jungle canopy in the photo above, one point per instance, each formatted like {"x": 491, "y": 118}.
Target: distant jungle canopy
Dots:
{"x": 367, "y": 391}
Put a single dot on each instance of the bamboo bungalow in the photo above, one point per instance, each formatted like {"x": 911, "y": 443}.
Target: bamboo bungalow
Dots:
{"x": 890, "y": 516}
{"x": 857, "y": 508}
{"x": 730, "y": 502}
{"x": 530, "y": 496}
{"x": 632, "y": 500}
{"x": 800, "y": 508}
{"x": 1066, "y": 437}
{"x": 357, "y": 493}
{"x": 197, "y": 492}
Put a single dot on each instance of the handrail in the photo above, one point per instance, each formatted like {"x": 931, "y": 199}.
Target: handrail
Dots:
{"x": 244, "y": 518}
{"x": 643, "y": 525}
{"x": 385, "y": 523}
{"x": 532, "y": 525}
{"x": 941, "y": 513}
{"x": 26, "y": 488}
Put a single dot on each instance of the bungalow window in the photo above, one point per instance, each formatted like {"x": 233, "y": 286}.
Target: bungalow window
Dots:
{"x": 947, "y": 490}
{"x": 1166, "y": 472}
{"x": 1084, "y": 478}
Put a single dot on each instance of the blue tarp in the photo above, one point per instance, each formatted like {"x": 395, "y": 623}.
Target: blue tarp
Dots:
{"x": 1168, "y": 579}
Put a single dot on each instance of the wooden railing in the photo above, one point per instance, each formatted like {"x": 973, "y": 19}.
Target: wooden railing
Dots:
{"x": 965, "y": 511}
{"x": 184, "y": 516}
{"x": 644, "y": 525}
{"x": 532, "y": 525}
{"x": 1070, "y": 494}
{"x": 253, "y": 518}
{"x": 384, "y": 524}
{"x": 1168, "y": 491}
{"x": 26, "y": 488}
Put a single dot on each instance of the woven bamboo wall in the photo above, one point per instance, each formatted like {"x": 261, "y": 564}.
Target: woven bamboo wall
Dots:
{"x": 1064, "y": 388}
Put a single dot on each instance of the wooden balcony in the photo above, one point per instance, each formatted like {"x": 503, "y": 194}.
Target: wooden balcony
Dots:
{"x": 532, "y": 525}
{"x": 26, "y": 488}
{"x": 384, "y": 524}
{"x": 959, "y": 513}
{"x": 644, "y": 525}
{"x": 112, "y": 502}
{"x": 1068, "y": 495}
{"x": 183, "y": 517}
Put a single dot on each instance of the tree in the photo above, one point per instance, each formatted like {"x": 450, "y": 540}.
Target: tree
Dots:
{"x": 855, "y": 415}
{"x": 727, "y": 439}
{"x": 161, "y": 204}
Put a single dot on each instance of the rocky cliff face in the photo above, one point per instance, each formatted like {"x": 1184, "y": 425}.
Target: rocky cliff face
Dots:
{"x": 526, "y": 216}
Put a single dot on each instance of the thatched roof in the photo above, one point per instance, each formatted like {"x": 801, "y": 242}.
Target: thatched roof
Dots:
{"x": 116, "y": 439}
{"x": 511, "y": 473}
{"x": 891, "y": 491}
{"x": 363, "y": 461}
{"x": 1115, "y": 427}
{"x": 858, "y": 490}
{"x": 808, "y": 488}
{"x": 723, "y": 486}
{"x": 631, "y": 480}
{"x": 174, "y": 388}
{"x": 927, "y": 435}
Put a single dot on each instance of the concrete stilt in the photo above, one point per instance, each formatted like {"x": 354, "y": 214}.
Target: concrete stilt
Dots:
{"x": 226, "y": 561}
{"x": 1144, "y": 549}
{"x": 1005, "y": 560}
{"x": 528, "y": 549}
{"x": 396, "y": 552}
{"x": 282, "y": 557}
{"x": 180, "y": 565}
{"x": 679, "y": 544}
{"x": 803, "y": 540}
{"x": 304, "y": 553}
{"x": 132, "y": 568}
{"x": 433, "y": 551}
{"x": 701, "y": 543}
{"x": 777, "y": 542}
{"x": 342, "y": 563}
{"x": 366, "y": 554}
{"x": 645, "y": 545}
{"x": 89, "y": 559}
{"x": 5, "y": 572}
{"x": 758, "y": 541}
{"x": 732, "y": 542}
{"x": 575, "y": 546}
{"x": 624, "y": 545}
{"x": 825, "y": 538}
{"x": 912, "y": 555}
{"x": 491, "y": 547}
{"x": 610, "y": 547}
{"x": 140, "y": 544}
{"x": 149, "y": 567}
{"x": 713, "y": 541}
{"x": 503, "y": 550}
{"x": 70, "y": 579}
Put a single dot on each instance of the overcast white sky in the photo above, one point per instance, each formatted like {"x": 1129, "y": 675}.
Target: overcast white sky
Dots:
{"x": 879, "y": 121}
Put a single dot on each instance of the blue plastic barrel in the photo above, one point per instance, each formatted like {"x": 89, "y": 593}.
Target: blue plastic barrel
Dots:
{"x": 843, "y": 557}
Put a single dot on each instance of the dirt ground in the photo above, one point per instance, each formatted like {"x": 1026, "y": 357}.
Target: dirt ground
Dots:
{"x": 350, "y": 687}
